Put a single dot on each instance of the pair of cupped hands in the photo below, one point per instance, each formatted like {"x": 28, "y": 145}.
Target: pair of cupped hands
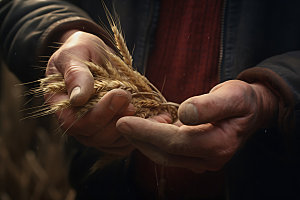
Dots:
{"x": 210, "y": 129}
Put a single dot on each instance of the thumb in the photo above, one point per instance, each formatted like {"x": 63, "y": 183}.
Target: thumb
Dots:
{"x": 197, "y": 110}
{"x": 69, "y": 60}
{"x": 226, "y": 100}
{"x": 79, "y": 82}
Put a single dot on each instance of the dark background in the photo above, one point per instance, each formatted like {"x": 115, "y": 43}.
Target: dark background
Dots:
{"x": 32, "y": 161}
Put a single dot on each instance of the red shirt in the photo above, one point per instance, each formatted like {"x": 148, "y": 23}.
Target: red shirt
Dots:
{"x": 185, "y": 58}
{"x": 184, "y": 63}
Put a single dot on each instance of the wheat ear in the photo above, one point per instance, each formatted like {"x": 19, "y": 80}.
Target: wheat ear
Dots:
{"x": 116, "y": 72}
{"x": 121, "y": 45}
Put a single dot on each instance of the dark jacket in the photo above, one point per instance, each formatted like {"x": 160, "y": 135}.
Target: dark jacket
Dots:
{"x": 260, "y": 43}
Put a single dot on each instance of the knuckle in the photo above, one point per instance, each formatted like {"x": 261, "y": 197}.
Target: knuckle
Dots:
{"x": 242, "y": 98}
{"x": 51, "y": 62}
{"x": 59, "y": 57}
{"x": 51, "y": 65}
{"x": 74, "y": 71}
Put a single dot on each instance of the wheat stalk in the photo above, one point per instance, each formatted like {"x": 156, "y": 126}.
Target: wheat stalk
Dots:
{"x": 117, "y": 72}
{"x": 121, "y": 45}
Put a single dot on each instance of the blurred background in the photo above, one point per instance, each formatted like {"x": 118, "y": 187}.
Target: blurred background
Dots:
{"x": 32, "y": 160}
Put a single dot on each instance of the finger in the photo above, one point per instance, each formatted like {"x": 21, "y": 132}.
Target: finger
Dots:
{"x": 79, "y": 83}
{"x": 112, "y": 104}
{"x": 107, "y": 140}
{"x": 166, "y": 137}
{"x": 227, "y": 100}
{"x": 106, "y": 137}
{"x": 77, "y": 76}
{"x": 129, "y": 111}
{"x": 109, "y": 106}
{"x": 204, "y": 147}
{"x": 124, "y": 149}
{"x": 203, "y": 141}
{"x": 121, "y": 146}
{"x": 53, "y": 98}
{"x": 146, "y": 130}
{"x": 161, "y": 118}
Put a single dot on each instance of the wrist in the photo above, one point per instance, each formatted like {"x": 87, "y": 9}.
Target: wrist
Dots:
{"x": 280, "y": 89}
{"x": 267, "y": 105}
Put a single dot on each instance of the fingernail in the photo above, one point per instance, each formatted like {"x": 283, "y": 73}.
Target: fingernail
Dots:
{"x": 124, "y": 127}
{"x": 75, "y": 92}
{"x": 131, "y": 109}
{"x": 114, "y": 103}
{"x": 117, "y": 102}
{"x": 128, "y": 95}
{"x": 188, "y": 114}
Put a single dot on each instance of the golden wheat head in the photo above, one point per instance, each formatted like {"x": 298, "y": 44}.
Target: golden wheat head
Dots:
{"x": 117, "y": 72}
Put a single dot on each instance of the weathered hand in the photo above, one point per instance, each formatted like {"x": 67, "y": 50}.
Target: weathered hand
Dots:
{"x": 215, "y": 126}
{"x": 97, "y": 128}
{"x": 77, "y": 47}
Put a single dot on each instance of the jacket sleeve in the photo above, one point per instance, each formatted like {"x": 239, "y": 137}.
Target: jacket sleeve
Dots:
{"x": 281, "y": 74}
{"x": 27, "y": 28}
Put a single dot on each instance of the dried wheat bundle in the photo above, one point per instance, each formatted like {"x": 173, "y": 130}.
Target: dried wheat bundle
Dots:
{"x": 117, "y": 72}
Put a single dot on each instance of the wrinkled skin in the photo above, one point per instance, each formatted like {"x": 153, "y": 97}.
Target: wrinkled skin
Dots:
{"x": 211, "y": 129}
{"x": 214, "y": 127}
{"x": 96, "y": 129}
